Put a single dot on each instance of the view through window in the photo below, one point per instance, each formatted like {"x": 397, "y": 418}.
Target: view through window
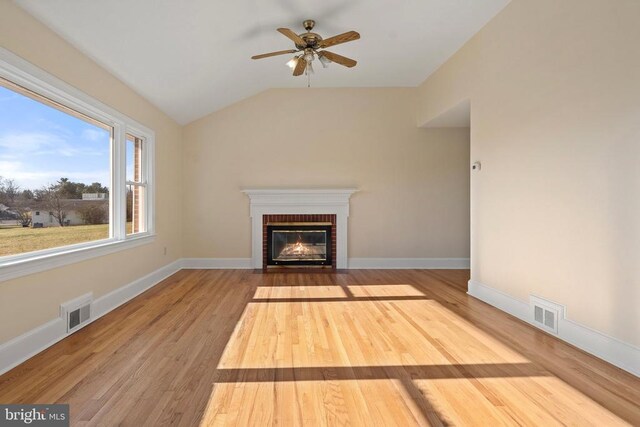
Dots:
{"x": 136, "y": 185}
{"x": 55, "y": 174}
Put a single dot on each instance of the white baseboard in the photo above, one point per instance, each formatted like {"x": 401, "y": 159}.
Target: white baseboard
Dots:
{"x": 27, "y": 345}
{"x": 612, "y": 350}
{"x": 354, "y": 263}
{"x": 217, "y": 263}
{"x": 499, "y": 299}
{"x": 409, "y": 263}
{"x": 116, "y": 298}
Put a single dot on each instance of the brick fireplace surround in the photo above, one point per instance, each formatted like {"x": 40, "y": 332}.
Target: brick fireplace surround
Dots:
{"x": 299, "y": 205}
{"x": 266, "y": 219}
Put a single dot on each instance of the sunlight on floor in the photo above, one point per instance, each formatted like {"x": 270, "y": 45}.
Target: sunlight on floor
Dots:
{"x": 375, "y": 354}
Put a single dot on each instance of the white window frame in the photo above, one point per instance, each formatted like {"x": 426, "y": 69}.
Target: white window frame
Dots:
{"x": 28, "y": 76}
{"x": 144, "y": 182}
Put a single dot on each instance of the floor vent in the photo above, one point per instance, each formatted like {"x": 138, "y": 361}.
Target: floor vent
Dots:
{"x": 76, "y": 312}
{"x": 546, "y": 314}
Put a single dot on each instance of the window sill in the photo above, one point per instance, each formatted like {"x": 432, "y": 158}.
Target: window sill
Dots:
{"x": 19, "y": 266}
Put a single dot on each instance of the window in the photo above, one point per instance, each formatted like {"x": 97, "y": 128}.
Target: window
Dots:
{"x": 136, "y": 184}
{"x": 65, "y": 154}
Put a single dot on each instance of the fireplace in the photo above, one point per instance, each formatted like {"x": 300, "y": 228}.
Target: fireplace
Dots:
{"x": 269, "y": 206}
{"x": 299, "y": 244}
{"x": 291, "y": 240}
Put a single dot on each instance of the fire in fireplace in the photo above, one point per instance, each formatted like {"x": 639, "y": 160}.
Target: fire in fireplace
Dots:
{"x": 299, "y": 244}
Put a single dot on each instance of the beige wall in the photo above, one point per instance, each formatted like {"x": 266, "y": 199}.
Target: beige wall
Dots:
{"x": 30, "y": 301}
{"x": 554, "y": 89}
{"x": 414, "y": 183}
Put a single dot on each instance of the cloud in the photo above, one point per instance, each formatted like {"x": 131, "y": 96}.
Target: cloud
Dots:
{"x": 21, "y": 144}
{"x": 7, "y": 168}
{"x": 29, "y": 142}
{"x": 37, "y": 179}
{"x": 94, "y": 134}
{"x": 35, "y": 158}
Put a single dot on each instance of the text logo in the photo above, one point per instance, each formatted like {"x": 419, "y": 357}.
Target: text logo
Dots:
{"x": 34, "y": 415}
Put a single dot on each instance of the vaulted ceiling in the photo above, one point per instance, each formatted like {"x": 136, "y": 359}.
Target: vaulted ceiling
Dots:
{"x": 191, "y": 58}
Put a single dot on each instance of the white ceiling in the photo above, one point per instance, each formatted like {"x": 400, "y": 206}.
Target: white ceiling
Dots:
{"x": 191, "y": 58}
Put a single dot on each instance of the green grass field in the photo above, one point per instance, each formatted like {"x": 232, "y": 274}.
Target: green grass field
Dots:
{"x": 17, "y": 240}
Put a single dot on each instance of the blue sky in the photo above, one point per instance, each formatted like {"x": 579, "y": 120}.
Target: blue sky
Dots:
{"x": 39, "y": 144}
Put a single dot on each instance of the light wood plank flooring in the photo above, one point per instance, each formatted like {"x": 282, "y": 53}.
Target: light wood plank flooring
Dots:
{"x": 367, "y": 347}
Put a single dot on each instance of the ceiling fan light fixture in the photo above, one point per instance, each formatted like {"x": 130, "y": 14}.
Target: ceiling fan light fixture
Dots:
{"x": 293, "y": 62}
{"x": 324, "y": 61}
{"x": 308, "y": 56}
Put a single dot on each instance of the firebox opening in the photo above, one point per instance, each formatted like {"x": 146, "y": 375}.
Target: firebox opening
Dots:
{"x": 299, "y": 244}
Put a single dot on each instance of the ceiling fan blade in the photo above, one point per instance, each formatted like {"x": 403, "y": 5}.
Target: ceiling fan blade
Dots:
{"x": 293, "y": 36}
{"x": 349, "y": 36}
{"x": 338, "y": 59}
{"x": 301, "y": 65}
{"x": 280, "y": 52}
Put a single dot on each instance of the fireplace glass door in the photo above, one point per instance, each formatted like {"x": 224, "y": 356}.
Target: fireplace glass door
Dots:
{"x": 296, "y": 244}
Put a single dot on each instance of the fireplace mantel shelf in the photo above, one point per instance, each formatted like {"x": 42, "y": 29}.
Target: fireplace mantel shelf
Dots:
{"x": 299, "y": 190}
{"x": 289, "y": 196}
{"x": 273, "y": 201}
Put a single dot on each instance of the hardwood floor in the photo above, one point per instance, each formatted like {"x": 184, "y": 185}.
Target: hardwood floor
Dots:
{"x": 229, "y": 347}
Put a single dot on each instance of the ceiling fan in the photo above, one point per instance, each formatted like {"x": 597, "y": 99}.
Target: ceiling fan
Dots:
{"x": 309, "y": 45}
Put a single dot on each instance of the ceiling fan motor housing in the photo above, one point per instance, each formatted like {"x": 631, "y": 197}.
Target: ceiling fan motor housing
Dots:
{"x": 311, "y": 39}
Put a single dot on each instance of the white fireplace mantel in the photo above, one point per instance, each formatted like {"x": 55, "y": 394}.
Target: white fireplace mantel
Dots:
{"x": 278, "y": 201}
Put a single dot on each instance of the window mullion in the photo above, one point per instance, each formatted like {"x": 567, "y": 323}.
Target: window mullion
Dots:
{"x": 149, "y": 182}
{"x": 119, "y": 211}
